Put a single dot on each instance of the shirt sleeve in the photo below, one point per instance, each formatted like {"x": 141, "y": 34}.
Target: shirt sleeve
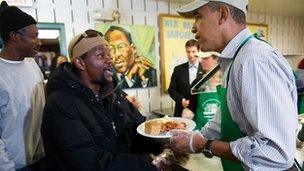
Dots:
{"x": 6, "y": 164}
{"x": 268, "y": 98}
{"x": 129, "y": 82}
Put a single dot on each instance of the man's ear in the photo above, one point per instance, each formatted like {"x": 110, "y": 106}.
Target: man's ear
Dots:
{"x": 79, "y": 63}
{"x": 12, "y": 36}
{"x": 224, "y": 12}
{"x": 133, "y": 48}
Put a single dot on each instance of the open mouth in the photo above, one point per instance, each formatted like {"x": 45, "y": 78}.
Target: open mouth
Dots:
{"x": 108, "y": 71}
{"x": 35, "y": 50}
{"x": 118, "y": 65}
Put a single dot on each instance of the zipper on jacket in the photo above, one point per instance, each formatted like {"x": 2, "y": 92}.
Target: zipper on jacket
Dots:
{"x": 114, "y": 129}
{"x": 97, "y": 97}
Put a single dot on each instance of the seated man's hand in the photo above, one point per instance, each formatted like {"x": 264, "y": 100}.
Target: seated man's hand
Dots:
{"x": 187, "y": 142}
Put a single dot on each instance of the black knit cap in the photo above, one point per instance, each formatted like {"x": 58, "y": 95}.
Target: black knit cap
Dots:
{"x": 13, "y": 19}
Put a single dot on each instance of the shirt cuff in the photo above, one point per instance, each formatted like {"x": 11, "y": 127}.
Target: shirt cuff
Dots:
{"x": 129, "y": 82}
{"x": 144, "y": 83}
{"x": 241, "y": 149}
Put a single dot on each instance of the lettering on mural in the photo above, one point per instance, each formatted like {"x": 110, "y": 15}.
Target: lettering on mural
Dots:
{"x": 180, "y": 29}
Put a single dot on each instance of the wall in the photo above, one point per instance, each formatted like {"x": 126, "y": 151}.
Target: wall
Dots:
{"x": 286, "y": 33}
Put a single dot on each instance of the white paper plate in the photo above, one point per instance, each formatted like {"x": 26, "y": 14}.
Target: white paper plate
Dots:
{"x": 190, "y": 126}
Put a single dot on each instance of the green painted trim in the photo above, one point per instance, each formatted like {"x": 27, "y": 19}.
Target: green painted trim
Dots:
{"x": 62, "y": 37}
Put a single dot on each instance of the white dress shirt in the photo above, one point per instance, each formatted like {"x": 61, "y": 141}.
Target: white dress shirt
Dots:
{"x": 262, "y": 100}
{"x": 193, "y": 71}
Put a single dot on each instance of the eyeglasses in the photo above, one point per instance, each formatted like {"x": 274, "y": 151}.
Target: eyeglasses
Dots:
{"x": 87, "y": 34}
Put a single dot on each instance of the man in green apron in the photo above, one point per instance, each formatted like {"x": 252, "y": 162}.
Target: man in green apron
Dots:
{"x": 256, "y": 127}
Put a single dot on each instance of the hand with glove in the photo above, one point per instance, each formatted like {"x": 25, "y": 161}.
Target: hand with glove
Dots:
{"x": 187, "y": 142}
{"x": 187, "y": 113}
{"x": 163, "y": 160}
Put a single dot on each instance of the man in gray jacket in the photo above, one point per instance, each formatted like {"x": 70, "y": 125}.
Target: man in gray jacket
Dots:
{"x": 22, "y": 95}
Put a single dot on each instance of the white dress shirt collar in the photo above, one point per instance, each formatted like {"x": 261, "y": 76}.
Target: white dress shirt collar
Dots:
{"x": 233, "y": 45}
{"x": 195, "y": 65}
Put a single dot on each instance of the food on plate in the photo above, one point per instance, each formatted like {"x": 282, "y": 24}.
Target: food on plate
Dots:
{"x": 167, "y": 126}
{"x": 158, "y": 126}
{"x": 153, "y": 127}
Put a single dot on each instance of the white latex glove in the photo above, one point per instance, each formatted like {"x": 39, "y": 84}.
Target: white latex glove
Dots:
{"x": 183, "y": 141}
{"x": 187, "y": 113}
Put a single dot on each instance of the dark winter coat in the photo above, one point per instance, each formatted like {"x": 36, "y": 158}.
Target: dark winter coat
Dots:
{"x": 82, "y": 131}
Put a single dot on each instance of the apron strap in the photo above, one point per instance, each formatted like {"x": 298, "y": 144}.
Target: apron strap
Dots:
{"x": 235, "y": 54}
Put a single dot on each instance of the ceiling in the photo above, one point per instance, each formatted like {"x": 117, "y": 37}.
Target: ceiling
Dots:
{"x": 290, "y": 8}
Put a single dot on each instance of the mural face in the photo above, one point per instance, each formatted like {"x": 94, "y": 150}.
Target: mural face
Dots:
{"x": 132, "y": 51}
{"x": 122, "y": 52}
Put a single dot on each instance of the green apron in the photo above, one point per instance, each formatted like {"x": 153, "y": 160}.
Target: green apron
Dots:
{"x": 300, "y": 97}
{"x": 208, "y": 105}
{"x": 229, "y": 130}
{"x": 301, "y": 110}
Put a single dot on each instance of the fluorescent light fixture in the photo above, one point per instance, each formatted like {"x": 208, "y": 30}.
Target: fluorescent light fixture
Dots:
{"x": 48, "y": 34}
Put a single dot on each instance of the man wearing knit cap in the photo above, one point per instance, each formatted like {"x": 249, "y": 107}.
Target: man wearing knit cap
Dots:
{"x": 22, "y": 95}
{"x": 255, "y": 128}
{"x": 86, "y": 127}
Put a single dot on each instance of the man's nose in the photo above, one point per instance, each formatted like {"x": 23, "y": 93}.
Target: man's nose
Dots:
{"x": 39, "y": 43}
{"x": 117, "y": 52}
{"x": 108, "y": 59}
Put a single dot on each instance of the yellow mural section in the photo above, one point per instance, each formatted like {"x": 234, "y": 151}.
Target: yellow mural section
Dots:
{"x": 260, "y": 29}
{"x": 174, "y": 32}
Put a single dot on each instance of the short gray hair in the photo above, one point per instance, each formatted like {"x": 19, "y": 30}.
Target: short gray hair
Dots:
{"x": 237, "y": 14}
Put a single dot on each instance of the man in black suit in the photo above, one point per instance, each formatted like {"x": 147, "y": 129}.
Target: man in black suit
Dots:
{"x": 131, "y": 69}
{"x": 182, "y": 77}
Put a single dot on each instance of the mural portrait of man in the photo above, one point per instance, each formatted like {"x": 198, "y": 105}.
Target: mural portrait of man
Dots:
{"x": 132, "y": 69}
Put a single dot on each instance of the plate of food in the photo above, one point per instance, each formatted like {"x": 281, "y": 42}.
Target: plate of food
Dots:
{"x": 161, "y": 127}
